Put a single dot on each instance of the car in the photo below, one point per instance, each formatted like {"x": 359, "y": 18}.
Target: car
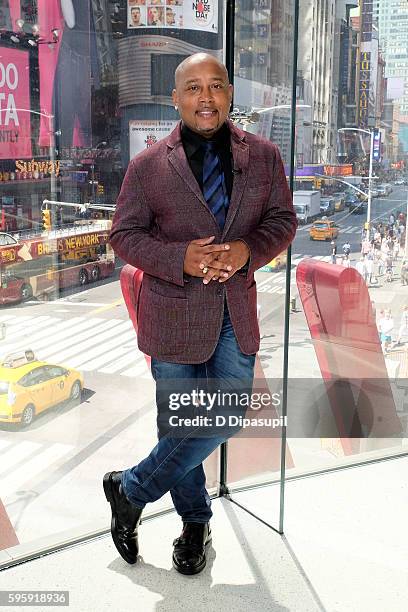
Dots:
{"x": 277, "y": 263}
{"x": 323, "y": 229}
{"x": 399, "y": 181}
{"x": 327, "y": 205}
{"x": 382, "y": 191}
{"x": 29, "y": 386}
{"x": 339, "y": 200}
{"x": 351, "y": 200}
{"x": 359, "y": 208}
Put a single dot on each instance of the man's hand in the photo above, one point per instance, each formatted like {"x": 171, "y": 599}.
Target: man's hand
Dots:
{"x": 221, "y": 266}
{"x": 199, "y": 249}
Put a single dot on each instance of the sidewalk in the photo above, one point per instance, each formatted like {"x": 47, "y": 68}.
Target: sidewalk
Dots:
{"x": 344, "y": 550}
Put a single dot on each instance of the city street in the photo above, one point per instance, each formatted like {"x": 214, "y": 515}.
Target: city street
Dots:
{"x": 90, "y": 331}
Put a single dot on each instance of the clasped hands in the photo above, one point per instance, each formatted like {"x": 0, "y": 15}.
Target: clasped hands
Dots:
{"x": 215, "y": 261}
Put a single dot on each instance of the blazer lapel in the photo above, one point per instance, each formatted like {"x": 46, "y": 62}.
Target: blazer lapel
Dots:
{"x": 240, "y": 154}
{"x": 178, "y": 160}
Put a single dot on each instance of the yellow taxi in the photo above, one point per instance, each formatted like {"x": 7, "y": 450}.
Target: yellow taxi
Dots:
{"x": 29, "y": 386}
{"x": 323, "y": 229}
{"x": 277, "y": 263}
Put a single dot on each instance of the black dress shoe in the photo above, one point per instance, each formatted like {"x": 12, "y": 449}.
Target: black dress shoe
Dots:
{"x": 125, "y": 517}
{"x": 189, "y": 549}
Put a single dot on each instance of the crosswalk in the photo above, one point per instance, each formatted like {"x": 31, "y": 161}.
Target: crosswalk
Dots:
{"x": 85, "y": 343}
{"x": 274, "y": 282}
{"x": 24, "y": 461}
{"x": 108, "y": 346}
{"x": 348, "y": 229}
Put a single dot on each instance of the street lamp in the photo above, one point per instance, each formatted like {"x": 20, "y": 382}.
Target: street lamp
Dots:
{"x": 370, "y": 171}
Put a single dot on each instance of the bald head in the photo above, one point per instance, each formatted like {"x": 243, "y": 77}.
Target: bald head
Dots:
{"x": 195, "y": 61}
{"x": 203, "y": 93}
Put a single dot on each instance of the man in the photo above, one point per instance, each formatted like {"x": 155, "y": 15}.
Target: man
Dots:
{"x": 362, "y": 268}
{"x": 333, "y": 252}
{"x": 218, "y": 209}
{"x": 403, "y": 328}
{"x": 346, "y": 248}
{"x": 135, "y": 16}
{"x": 170, "y": 16}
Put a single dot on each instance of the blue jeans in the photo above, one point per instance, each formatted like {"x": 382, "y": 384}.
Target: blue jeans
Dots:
{"x": 175, "y": 463}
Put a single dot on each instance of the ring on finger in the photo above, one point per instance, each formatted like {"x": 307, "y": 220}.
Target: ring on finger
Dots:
{"x": 205, "y": 270}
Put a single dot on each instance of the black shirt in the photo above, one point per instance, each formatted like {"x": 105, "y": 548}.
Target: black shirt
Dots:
{"x": 192, "y": 143}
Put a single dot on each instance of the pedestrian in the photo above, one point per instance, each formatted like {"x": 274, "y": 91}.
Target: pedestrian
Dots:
{"x": 361, "y": 268}
{"x": 396, "y": 248}
{"x": 198, "y": 246}
{"x": 386, "y": 326}
{"x": 365, "y": 247}
{"x": 403, "y": 328}
{"x": 369, "y": 267}
{"x": 404, "y": 272}
{"x": 389, "y": 267}
{"x": 346, "y": 248}
{"x": 333, "y": 252}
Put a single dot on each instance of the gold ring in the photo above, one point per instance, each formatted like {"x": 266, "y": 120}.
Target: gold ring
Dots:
{"x": 205, "y": 270}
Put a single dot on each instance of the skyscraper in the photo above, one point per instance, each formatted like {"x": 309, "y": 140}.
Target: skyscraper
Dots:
{"x": 392, "y": 20}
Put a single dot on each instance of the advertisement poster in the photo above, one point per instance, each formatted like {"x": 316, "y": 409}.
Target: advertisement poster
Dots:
{"x": 144, "y": 133}
{"x": 180, "y": 14}
{"x": 15, "y": 117}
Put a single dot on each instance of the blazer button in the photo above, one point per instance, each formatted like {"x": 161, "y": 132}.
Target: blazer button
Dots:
{"x": 220, "y": 291}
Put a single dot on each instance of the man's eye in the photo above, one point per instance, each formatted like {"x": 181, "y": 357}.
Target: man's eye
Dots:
{"x": 193, "y": 87}
{"x": 217, "y": 85}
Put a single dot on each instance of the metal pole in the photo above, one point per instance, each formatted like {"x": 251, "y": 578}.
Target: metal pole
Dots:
{"x": 93, "y": 181}
{"x": 406, "y": 233}
{"x": 370, "y": 178}
{"x": 229, "y": 63}
{"x": 288, "y": 275}
{"x": 52, "y": 158}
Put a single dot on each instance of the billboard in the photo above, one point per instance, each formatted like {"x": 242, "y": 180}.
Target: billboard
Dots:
{"x": 144, "y": 133}
{"x": 15, "y": 116}
{"x": 175, "y": 14}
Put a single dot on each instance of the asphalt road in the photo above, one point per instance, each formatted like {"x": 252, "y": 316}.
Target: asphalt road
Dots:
{"x": 351, "y": 224}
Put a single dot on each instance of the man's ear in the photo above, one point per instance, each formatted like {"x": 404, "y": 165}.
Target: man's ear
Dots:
{"x": 174, "y": 97}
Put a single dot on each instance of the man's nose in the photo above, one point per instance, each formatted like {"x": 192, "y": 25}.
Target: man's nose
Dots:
{"x": 206, "y": 93}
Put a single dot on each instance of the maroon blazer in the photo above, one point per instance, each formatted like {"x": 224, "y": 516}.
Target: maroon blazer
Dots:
{"x": 161, "y": 208}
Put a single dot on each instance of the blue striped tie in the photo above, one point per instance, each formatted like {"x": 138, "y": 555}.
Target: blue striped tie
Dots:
{"x": 214, "y": 188}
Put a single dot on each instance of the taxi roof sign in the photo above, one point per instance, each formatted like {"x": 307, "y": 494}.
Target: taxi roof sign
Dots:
{"x": 14, "y": 360}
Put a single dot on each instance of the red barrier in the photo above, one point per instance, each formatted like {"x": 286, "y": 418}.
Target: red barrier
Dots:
{"x": 8, "y": 536}
{"x": 342, "y": 324}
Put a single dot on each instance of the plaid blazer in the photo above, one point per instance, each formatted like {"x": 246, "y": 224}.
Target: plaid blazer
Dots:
{"x": 161, "y": 208}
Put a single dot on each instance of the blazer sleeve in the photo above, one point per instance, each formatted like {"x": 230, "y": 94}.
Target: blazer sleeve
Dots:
{"x": 278, "y": 226}
{"x": 132, "y": 236}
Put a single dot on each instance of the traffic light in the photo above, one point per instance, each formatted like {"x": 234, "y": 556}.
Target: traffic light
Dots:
{"x": 46, "y": 219}
{"x": 100, "y": 189}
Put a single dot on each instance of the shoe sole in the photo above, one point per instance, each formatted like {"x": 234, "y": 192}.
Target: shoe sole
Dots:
{"x": 196, "y": 570}
{"x": 107, "y": 487}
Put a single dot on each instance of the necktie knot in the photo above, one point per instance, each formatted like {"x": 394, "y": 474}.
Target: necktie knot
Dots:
{"x": 209, "y": 146}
